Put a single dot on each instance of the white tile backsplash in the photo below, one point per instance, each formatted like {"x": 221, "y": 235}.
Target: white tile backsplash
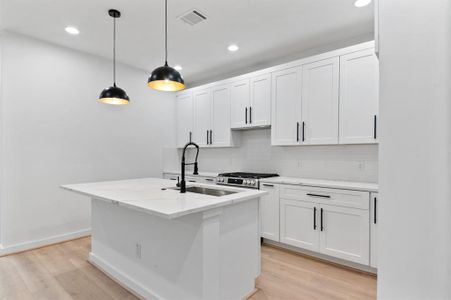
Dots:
{"x": 337, "y": 162}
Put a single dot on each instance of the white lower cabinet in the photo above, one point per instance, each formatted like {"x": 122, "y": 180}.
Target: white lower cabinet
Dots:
{"x": 373, "y": 232}
{"x": 344, "y": 233}
{"x": 297, "y": 224}
{"x": 269, "y": 212}
{"x": 327, "y": 221}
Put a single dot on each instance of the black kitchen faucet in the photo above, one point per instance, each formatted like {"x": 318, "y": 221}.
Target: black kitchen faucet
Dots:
{"x": 196, "y": 171}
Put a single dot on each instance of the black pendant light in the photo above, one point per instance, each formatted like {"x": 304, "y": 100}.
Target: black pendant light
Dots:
{"x": 113, "y": 94}
{"x": 166, "y": 78}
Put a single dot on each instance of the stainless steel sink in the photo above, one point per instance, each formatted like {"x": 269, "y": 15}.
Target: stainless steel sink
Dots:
{"x": 206, "y": 191}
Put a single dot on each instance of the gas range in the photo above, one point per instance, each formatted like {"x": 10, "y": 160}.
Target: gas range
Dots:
{"x": 243, "y": 179}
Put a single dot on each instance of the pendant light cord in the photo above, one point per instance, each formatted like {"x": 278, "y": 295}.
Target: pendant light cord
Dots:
{"x": 114, "y": 52}
{"x": 166, "y": 32}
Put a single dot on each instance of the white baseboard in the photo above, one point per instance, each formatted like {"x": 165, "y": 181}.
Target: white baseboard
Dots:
{"x": 123, "y": 279}
{"x": 323, "y": 257}
{"x": 6, "y": 250}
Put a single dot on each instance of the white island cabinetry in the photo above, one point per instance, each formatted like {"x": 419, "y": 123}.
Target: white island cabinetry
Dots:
{"x": 162, "y": 244}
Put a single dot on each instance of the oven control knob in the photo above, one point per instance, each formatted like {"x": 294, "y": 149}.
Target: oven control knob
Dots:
{"x": 247, "y": 182}
{"x": 253, "y": 182}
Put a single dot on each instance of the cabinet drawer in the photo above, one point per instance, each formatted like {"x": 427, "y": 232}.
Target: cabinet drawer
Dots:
{"x": 345, "y": 198}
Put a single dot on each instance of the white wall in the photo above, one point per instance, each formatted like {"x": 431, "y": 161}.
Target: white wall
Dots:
{"x": 415, "y": 150}
{"x": 350, "y": 162}
{"x": 55, "y": 132}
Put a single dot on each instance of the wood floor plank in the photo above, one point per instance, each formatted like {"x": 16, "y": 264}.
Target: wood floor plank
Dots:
{"x": 62, "y": 272}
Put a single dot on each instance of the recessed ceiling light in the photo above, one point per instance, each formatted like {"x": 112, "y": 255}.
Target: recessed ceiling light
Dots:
{"x": 362, "y": 3}
{"x": 178, "y": 68}
{"x": 233, "y": 48}
{"x": 72, "y": 30}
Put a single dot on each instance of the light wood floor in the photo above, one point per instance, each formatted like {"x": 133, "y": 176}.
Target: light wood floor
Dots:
{"x": 61, "y": 272}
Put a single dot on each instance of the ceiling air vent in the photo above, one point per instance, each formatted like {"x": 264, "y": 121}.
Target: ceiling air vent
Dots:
{"x": 192, "y": 17}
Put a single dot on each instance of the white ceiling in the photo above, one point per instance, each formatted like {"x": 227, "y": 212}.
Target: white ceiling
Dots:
{"x": 264, "y": 29}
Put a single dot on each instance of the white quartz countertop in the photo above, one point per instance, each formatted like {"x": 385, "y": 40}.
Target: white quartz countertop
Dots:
{"x": 147, "y": 195}
{"x": 334, "y": 184}
{"x": 190, "y": 173}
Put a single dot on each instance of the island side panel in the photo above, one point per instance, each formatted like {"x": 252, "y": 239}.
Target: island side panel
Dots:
{"x": 240, "y": 249}
{"x": 208, "y": 255}
{"x": 168, "y": 263}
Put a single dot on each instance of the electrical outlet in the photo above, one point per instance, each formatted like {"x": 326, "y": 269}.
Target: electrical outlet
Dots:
{"x": 138, "y": 251}
{"x": 299, "y": 164}
{"x": 361, "y": 165}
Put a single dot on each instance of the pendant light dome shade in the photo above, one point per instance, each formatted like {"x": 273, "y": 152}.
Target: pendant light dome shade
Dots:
{"x": 165, "y": 78}
{"x": 114, "y": 95}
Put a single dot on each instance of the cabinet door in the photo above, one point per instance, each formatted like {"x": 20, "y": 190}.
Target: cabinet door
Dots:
{"x": 373, "y": 232}
{"x": 285, "y": 103}
{"x": 320, "y": 83}
{"x": 260, "y": 106}
{"x": 297, "y": 224}
{"x": 345, "y": 233}
{"x": 184, "y": 112}
{"x": 220, "y": 130}
{"x": 359, "y": 97}
{"x": 269, "y": 212}
{"x": 202, "y": 107}
{"x": 240, "y": 96}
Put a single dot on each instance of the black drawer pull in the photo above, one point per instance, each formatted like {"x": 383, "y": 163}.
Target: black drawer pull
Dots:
{"x": 297, "y": 132}
{"x": 209, "y": 179}
{"x": 375, "y": 210}
{"x": 268, "y": 185}
{"x": 316, "y": 195}
{"x": 173, "y": 178}
{"x": 314, "y": 218}
{"x": 375, "y": 127}
{"x": 245, "y": 114}
{"x": 322, "y": 225}
{"x": 303, "y": 131}
{"x": 250, "y": 114}
{"x": 191, "y": 180}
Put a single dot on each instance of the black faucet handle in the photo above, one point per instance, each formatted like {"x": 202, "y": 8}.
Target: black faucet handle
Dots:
{"x": 178, "y": 182}
{"x": 196, "y": 170}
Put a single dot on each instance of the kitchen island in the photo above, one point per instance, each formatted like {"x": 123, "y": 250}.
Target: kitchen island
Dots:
{"x": 162, "y": 244}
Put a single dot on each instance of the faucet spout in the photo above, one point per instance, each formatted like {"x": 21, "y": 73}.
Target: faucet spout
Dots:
{"x": 183, "y": 165}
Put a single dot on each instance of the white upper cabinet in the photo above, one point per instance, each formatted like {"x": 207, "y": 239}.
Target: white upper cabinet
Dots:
{"x": 359, "y": 97}
{"x": 285, "y": 104}
{"x": 220, "y": 134}
{"x": 251, "y": 102}
{"x": 185, "y": 119}
{"x": 260, "y": 102}
{"x": 240, "y": 95}
{"x": 320, "y": 84}
{"x": 202, "y": 117}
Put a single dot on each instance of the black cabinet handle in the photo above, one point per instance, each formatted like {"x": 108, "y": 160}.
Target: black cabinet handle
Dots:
{"x": 303, "y": 131}
{"x": 245, "y": 114}
{"x": 190, "y": 136}
{"x": 209, "y": 179}
{"x": 314, "y": 218}
{"x": 297, "y": 132}
{"x": 316, "y": 195}
{"x": 375, "y": 210}
{"x": 375, "y": 127}
{"x": 208, "y": 139}
{"x": 250, "y": 114}
{"x": 191, "y": 180}
{"x": 211, "y": 137}
{"x": 268, "y": 185}
{"x": 322, "y": 225}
